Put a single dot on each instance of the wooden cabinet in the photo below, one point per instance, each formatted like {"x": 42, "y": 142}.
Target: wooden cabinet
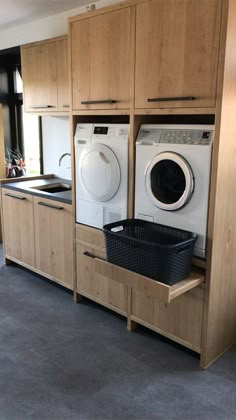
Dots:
{"x": 45, "y": 76}
{"x": 99, "y": 288}
{"x": 53, "y": 240}
{"x": 101, "y": 60}
{"x": 18, "y": 217}
{"x": 177, "y": 50}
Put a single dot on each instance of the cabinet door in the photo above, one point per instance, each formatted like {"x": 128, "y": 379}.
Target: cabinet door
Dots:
{"x": 62, "y": 76}
{"x": 177, "y": 53}
{"x": 18, "y": 224}
{"x": 99, "y": 288}
{"x": 39, "y": 67}
{"x": 101, "y": 60}
{"x": 54, "y": 240}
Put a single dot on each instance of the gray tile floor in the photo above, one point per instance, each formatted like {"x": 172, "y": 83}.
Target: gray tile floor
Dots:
{"x": 59, "y": 360}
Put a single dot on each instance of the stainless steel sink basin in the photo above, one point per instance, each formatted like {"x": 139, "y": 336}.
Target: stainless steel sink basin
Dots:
{"x": 53, "y": 188}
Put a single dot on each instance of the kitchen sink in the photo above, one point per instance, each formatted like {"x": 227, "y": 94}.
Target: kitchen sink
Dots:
{"x": 53, "y": 188}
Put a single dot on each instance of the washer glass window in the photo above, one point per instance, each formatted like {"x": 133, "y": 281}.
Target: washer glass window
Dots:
{"x": 169, "y": 181}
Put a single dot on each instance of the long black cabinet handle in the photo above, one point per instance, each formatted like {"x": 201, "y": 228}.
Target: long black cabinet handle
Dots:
{"x": 107, "y": 101}
{"x": 41, "y": 203}
{"x": 177, "y": 98}
{"x": 15, "y": 196}
{"x": 41, "y": 106}
{"x": 66, "y": 106}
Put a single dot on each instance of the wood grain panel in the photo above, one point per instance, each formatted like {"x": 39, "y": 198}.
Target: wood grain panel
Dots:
{"x": 62, "y": 76}
{"x": 18, "y": 220}
{"x": 39, "y": 68}
{"x": 177, "y": 52}
{"x": 100, "y": 55}
{"x": 181, "y": 320}
{"x": 90, "y": 235}
{"x": 54, "y": 240}
{"x": 104, "y": 290}
{"x": 220, "y": 313}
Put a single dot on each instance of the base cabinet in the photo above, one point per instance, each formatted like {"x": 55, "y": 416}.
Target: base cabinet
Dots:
{"x": 180, "y": 320}
{"x": 53, "y": 240}
{"x": 38, "y": 234}
{"x": 108, "y": 292}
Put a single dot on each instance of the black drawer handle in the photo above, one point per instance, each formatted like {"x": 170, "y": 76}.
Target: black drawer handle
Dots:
{"x": 15, "y": 196}
{"x": 42, "y": 106}
{"x": 66, "y": 106}
{"x": 41, "y": 203}
{"x": 88, "y": 254}
{"x": 108, "y": 101}
{"x": 177, "y": 98}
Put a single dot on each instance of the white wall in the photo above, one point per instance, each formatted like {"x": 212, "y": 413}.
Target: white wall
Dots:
{"x": 43, "y": 28}
{"x": 56, "y": 141}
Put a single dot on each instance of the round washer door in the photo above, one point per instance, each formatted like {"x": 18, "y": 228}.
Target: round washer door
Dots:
{"x": 99, "y": 172}
{"x": 169, "y": 181}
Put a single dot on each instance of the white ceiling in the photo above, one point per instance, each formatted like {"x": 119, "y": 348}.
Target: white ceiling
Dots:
{"x": 17, "y": 12}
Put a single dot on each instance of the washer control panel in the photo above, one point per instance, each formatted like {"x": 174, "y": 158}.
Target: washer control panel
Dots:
{"x": 189, "y": 136}
{"x": 186, "y": 137}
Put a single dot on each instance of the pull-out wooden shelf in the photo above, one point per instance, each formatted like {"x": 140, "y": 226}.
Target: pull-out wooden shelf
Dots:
{"x": 151, "y": 287}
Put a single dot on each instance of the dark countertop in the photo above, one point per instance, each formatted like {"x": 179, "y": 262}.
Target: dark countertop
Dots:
{"x": 28, "y": 187}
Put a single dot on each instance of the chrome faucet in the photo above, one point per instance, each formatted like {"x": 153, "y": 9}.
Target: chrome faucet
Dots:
{"x": 62, "y": 156}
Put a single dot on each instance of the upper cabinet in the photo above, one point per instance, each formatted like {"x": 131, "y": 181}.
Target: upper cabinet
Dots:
{"x": 101, "y": 60}
{"x": 45, "y": 76}
{"x": 177, "y": 48}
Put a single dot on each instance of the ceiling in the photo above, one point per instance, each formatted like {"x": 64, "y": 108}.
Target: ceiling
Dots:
{"x": 17, "y": 12}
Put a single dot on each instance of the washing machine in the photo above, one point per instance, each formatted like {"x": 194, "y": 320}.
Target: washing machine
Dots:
{"x": 101, "y": 164}
{"x": 172, "y": 177}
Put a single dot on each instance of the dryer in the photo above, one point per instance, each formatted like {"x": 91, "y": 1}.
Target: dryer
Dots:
{"x": 101, "y": 164}
{"x": 172, "y": 177}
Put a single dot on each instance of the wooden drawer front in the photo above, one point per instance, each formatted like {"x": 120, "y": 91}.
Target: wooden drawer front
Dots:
{"x": 90, "y": 235}
{"x": 18, "y": 222}
{"x": 104, "y": 290}
{"x": 180, "y": 320}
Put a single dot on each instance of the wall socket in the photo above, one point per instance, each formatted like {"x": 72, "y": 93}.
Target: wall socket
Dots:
{"x": 91, "y": 7}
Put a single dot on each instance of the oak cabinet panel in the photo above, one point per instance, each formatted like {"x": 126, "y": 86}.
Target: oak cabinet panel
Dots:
{"x": 54, "y": 240}
{"x": 45, "y": 76}
{"x": 104, "y": 290}
{"x": 62, "y": 75}
{"x": 18, "y": 219}
{"x": 101, "y": 60}
{"x": 177, "y": 45}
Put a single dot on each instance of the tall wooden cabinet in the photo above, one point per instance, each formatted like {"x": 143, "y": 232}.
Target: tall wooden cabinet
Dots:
{"x": 177, "y": 51}
{"x": 45, "y": 76}
{"x": 101, "y": 60}
{"x": 180, "y": 57}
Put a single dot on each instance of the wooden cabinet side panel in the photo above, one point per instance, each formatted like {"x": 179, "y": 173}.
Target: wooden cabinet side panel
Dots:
{"x": 101, "y": 60}
{"x": 177, "y": 46}
{"x": 18, "y": 222}
{"x": 62, "y": 75}
{"x": 219, "y": 331}
{"x": 54, "y": 240}
{"x": 39, "y": 66}
{"x": 182, "y": 318}
{"x": 101, "y": 288}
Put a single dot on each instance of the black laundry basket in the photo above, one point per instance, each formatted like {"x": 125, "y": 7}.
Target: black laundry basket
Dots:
{"x": 157, "y": 251}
